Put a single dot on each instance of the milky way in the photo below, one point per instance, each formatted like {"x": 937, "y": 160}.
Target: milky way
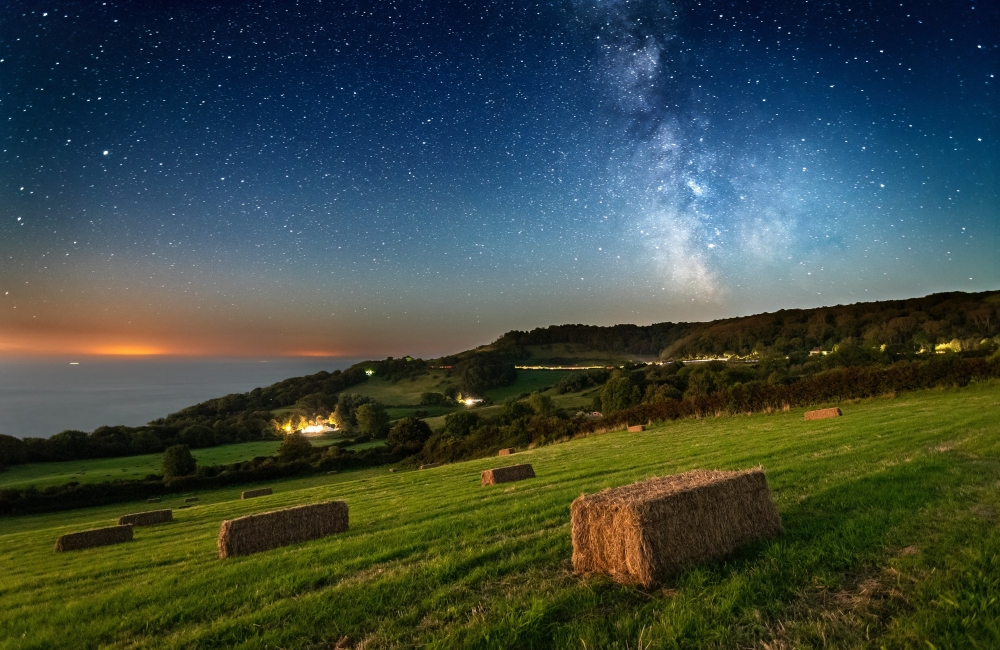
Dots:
{"x": 324, "y": 178}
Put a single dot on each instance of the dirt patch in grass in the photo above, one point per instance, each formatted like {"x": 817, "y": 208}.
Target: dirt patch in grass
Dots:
{"x": 847, "y": 617}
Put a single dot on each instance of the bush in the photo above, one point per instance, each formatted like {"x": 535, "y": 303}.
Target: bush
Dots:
{"x": 408, "y": 436}
{"x": 294, "y": 447}
{"x": 434, "y": 399}
{"x": 178, "y": 461}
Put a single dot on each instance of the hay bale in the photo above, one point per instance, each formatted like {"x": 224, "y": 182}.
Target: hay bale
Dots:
{"x": 146, "y": 518}
{"x": 153, "y": 500}
{"x": 506, "y": 452}
{"x": 507, "y": 474}
{"x": 259, "y": 492}
{"x": 392, "y": 470}
{"x": 256, "y": 533}
{"x": 822, "y": 414}
{"x": 190, "y": 499}
{"x": 636, "y": 428}
{"x": 95, "y": 537}
{"x": 648, "y": 531}
{"x": 430, "y": 466}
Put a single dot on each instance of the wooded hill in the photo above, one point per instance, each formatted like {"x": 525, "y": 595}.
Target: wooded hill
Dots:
{"x": 862, "y": 334}
{"x": 957, "y": 320}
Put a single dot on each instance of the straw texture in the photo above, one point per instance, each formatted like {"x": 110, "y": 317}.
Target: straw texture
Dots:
{"x": 648, "y": 531}
{"x": 636, "y": 428}
{"x": 506, "y": 452}
{"x": 823, "y": 414}
{"x": 92, "y": 538}
{"x": 259, "y": 492}
{"x": 507, "y": 474}
{"x": 256, "y": 533}
{"x": 146, "y": 518}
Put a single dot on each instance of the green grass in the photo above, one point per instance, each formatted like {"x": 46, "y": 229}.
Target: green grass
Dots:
{"x": 891, "y": 541}
{"x": 528, "y": 381}
{"x": 397, "y": 412}
{"x": 97, "y": 470}
{"x": 405, "y": 391}
{"x": 577, "y": 354}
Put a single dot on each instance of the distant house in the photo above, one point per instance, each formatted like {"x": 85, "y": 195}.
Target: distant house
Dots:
{"x": 815, "y": 351}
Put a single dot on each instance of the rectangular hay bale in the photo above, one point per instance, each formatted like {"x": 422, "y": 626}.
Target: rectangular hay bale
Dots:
{"x": 262, "y": 532}
{"x": 507, "y": 474}
{"x": 636, "y": 428}
{"x": 822, "y": 414}
{"x": 506, "y": 452}
{"x": 92, "y": 538}
{"x": 146, "y": 518}
{"x": 258, "y": 492}
{"x": 430, "y": 466}
{"x": 646, "y": 532}
{"x": 190, "y": 499}
{"x": 153, "y": 500}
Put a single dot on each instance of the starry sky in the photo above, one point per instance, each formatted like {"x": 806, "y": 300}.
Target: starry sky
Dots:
{"x": 337, "y": 178}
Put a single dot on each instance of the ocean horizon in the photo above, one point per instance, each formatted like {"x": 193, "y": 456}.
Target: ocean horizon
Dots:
{"x": 39, "y": 398}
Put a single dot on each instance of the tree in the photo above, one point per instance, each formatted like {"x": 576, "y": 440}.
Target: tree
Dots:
{"x": 198, "y": 436}
{"x": 347, "y": 406}
{"x": 178, "y": 461}
{"x": 317, "y": 403}
{"x": 619, "y": 394}
{"x": 372, "y": 420}
{"x": 433, "y": 399}
{"x": 541, "y": 404}
{"x": 481, "y": 372}
{"x": 13, "y": 451}
{"x": 408, "y": 436}
{"x": 461, "y": 423}
{"x": 294, "y": 447}
{"x": 70, "y": 445}
{"x": 145, "y": 442}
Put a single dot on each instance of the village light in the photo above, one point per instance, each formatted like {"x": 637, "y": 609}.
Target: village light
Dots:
{"x": 369, "y": 372}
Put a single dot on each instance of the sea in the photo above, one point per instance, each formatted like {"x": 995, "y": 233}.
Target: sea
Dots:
{"x": 42, "y": 398}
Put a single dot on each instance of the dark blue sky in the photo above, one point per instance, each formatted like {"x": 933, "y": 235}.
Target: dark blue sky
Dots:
{"x": 319, "y": 177}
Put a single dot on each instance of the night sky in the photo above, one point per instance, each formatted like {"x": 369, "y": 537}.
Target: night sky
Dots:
{"x": 328, "y": 178}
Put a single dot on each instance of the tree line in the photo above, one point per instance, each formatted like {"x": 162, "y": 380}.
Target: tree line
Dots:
{"x": 957, "y": 320}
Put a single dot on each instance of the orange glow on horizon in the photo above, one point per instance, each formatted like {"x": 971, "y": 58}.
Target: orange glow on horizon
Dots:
{"x": 129, "y": 351}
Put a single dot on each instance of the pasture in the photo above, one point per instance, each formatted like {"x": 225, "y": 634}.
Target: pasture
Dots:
{"x": 96, "y": 470}
{"x": 891, "y": 540}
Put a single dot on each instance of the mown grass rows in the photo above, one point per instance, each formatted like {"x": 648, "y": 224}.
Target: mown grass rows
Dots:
{"x": 891, "y": 540}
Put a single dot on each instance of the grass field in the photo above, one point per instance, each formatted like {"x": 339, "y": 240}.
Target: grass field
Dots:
{"x": 578, "y": 354}
{"x": 891, "y": 541}
{"x": 405, "y": 391}
{"x": 527, "y": 381}
{"x": 96, "y": 470}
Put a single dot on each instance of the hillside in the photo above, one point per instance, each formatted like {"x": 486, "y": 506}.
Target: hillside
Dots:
{"x": 783, "y": 347}
{"x": 956, "y": 319}
{"x": 890, "y": 541}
